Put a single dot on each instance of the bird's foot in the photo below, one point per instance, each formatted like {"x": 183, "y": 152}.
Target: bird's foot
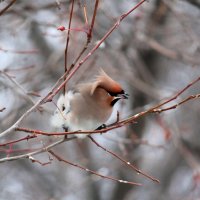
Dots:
{"x": 101, "y": 127}
{"x": 66, "y": 130}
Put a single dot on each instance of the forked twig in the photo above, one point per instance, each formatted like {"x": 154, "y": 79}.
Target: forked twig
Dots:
{"x": 89, "y": 34}
{"x": 159, "y": 110}
{"x": 41, "y": 150}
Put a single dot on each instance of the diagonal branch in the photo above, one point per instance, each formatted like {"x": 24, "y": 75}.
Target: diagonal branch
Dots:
{"x": 159, "y": 110}
{"x": 91, "y": 171}
{"x": 67, "y": 43}
{"x": 89, "y": 34}
{"x": 124, "y": 161}
{"x": 44, "y": 149}
{"x": 7, "y": 7}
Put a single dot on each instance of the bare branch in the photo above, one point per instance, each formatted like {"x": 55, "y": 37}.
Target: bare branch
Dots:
{"x": 19, "y": 140}
{"x": 91, "y": 171}
{"x": 124, "y": 161}
{"x": 44, "y": 149}
{"x": 2, "y": 109}
{"x": 7, "y": 7}
{"x": 21, "y": 89}
{"x": 67, "y": 43}
{"x": 192, "y": 97}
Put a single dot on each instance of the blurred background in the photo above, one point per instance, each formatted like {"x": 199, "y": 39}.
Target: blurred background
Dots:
{"x": 154, "y": 53}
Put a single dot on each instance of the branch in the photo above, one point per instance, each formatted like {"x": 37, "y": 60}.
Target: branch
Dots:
{"x": 44, "y": 149}
{"x": 91, "y": 171}
{"x": 124, "y": 161}
{"x": 192, "y": 97}
{"x": 67, "y": 43}
{"x": 32, "y": 51}
{"x": 6, "y": 8}
{"x": 23, "y": 91}
{"x": 19, "y": 140}
{"x": 93, "y": 20}
{"x": 2, "y": 109}
{"x": 89, "y": 35}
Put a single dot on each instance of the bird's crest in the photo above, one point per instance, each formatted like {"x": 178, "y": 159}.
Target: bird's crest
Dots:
{"x": 104, "y": 81}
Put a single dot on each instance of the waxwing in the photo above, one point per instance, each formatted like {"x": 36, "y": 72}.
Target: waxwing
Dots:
{"x": 89, "y": 106}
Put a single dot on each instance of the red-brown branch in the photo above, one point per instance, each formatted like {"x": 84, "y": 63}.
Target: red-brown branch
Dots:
{"x": 93, "y": 20}
{"x": 7, "y": 7}
{"x": 32, "y": 51}
{"x": 178, "y": 104}
{"x": 89, "y": 34}
{"x": 124, "y": 161}
{"x": 91, "y": 171}
{"x": 67, "y": 42}
{"x": 28, "y": 137}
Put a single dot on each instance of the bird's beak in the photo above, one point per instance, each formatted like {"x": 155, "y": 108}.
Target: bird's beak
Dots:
{"x": 123, "y": 96}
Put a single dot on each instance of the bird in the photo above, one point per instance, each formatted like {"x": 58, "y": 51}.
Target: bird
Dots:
{"x": 89, "y": 106}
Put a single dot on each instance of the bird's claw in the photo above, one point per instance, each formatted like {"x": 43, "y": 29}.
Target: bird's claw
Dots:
{"x": 101, "y": 127}
{"x": 65, "y": 128}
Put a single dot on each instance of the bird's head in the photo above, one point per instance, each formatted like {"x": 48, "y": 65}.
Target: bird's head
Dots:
{"x": 113, "y": 88}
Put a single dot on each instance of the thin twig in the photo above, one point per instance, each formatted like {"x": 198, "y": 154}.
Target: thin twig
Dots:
{"x": 6, "y": 8}
{"x": 89, "y": 34}
{"x": 192, "y": 97}
{"x": 41, "y": 163}
{"x": 44, "y": 149}
{"x": 93, "y": 20}
{"x": 178, "y": 94}
{"x": 25, "y": 68}
{"x": 32, "y": 51}
{"x": 28, "y": 137}
{"x": 85, "y": 14}
{"x": 124, "y": 161}
{"x": 23, "y": 91}
{"x": 67, "y": 42}
{"x": 91, "y": 171}
{"x": 2, "y": 109}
